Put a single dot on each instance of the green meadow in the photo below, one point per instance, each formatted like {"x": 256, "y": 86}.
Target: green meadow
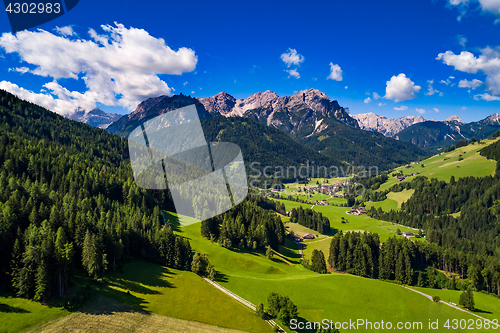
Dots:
{"x": 180, "y": 294}
{"x": 393, "y": 201}
{"x": 338, "y": 297}
{"x": 19, "y": 314}
{"x": 487, "y": 306}
{"x": 442, "y": 166}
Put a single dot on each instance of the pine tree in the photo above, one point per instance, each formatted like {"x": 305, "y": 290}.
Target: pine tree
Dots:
{"x": 269, "y": 252}
{"x": 259, "y": 311}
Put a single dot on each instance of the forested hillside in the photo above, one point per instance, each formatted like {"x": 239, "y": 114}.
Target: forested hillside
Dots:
{"x": 460, "y": 219}
{"x": 68, "y": 201}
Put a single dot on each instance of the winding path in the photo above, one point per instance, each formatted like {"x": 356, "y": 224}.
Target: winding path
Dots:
{"x": 243, "y": 301}
{"x": 449, "y": 304}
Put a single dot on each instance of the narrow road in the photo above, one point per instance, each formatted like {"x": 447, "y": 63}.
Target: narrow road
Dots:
{"x": 300, "y": 250}
{"x": 243, "y": 301}
{"x": 451, "y": 305}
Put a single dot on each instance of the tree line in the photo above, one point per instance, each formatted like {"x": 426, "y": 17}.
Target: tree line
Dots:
{"x": 247, "y": 226}
{"x": 310, "y": 219}
{"x": 68, "y": 203}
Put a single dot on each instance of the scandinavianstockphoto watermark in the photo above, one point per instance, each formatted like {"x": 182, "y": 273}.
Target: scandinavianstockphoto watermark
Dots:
{"x": 273, "y": 176}
{"x": 365, "y": 324}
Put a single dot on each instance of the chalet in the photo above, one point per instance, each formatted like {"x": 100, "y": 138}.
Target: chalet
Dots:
{"x": 415, "y": 173}
{"x": 401, "y": 178}
{"x": 408, "y": 234}
{"x": 308, "y": 236}
{"x": 358, "y": 211}
{"x": 413, "y": 163}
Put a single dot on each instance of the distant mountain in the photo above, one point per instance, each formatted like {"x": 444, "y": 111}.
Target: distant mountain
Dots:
{"x": 95, "y": 117}
{"x": 436, "y": 135}
{"x": 288, "y": 113}
{"x": 153, "y": 107}
{"x": 387, "y": 126}
{"x": 309, "y": 117}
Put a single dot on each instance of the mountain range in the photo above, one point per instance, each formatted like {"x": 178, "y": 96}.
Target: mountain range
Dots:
{"x": 387, "y": 126}
{"x": 436, "y": 135}
{"x": 95, "y": 117}
{"x": 308, "y": 117}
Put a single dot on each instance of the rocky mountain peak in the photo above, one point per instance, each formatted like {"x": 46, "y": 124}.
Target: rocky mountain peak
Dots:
{"x": 95, "y": 117}
{"x": 455, "y": 118}
{"x": 494, "y": 119}
{"x": 387, "y": 126}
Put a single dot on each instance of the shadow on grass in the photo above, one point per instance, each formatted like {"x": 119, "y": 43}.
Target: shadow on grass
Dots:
{"x": 12, "y": 309}
{"x": 221, "y": 277}
{"x": 108, "y": 306}
{"x": 481, "y": 311}
{"x": 138, "y": 278}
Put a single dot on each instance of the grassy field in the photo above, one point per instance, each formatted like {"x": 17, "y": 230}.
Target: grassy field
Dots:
{"x": 333, "y": 296}
{"x": 300, "y": 229}
{"x": 487, "y": 306}
{"x": 18, "y": 314}
{"x": 322, "y": 244}
{"x": 443, "y": 166}
{"x": 108, "y": 315}
{"x": 393, "y": 201}
{"x": 180, "y": 294}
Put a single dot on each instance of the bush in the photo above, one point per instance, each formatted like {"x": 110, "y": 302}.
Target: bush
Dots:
{"x": 436, "y": 299}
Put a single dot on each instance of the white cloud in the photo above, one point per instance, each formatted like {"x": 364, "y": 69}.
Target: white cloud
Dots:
{"x": 293, "y": 72}
{"x": 488, "y": 62}
{"x": 492, "y": 6}
{"x": 470, "y": 84}
{"x": 487, "y": 97}
{"x": 21, "y": 70}
{"x": 401, "y": 108}
{"x": 420, "y": 111}
{"x": 65, "y": 31}
{"x": 335, "y": 72}
{"x": 367, "y": 100}
{"x": 315, "y": 79}
{"x": 345, "y": 87}
{"x": 436, "y": 109}
{"x": 119, "y": 67}
{"x": 464, "y": 108}
{"x": 382, "y": 104}
{"x": 431, "y": 90}
{"x": 185, "y": 83}
{"x": 193, "y": 92}
{"x": 291, "y": 57}
{"x": 376, "y": 96}
{"x": 400, "y": 88}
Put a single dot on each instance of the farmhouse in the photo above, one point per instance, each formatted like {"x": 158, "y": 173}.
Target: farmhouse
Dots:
{"x": 308, "y": 236}
{"x": 408, "y": 234}
{"x": 358, "y": 211}
{"x": 401, "y": 178}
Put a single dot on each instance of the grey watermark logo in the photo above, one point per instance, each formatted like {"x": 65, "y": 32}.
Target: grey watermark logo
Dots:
{"x": 204, "y": 179}
{"x": 29, "y": 14}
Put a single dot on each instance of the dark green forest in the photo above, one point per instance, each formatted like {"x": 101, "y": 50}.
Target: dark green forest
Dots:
{"x": 68, "y": 204}
{"x": 247, "y": 226}
{"x": 310, "y": 219}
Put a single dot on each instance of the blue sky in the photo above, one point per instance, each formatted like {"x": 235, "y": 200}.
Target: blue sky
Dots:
{"x": 383, "y": 51}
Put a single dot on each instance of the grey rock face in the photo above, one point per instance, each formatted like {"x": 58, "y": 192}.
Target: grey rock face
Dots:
{"x": 387, "y": 126}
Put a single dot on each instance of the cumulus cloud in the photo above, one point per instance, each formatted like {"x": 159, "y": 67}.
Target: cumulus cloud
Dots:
{"x": 436, "y": 109}
{"x": 367, "y": 100}
{"x": 448, "y": 81}
{"x": 291, "y": 57}
{"x": 382, "y": 104}
{"x": 431, "y": 91}
{"x": 488, "y": 62}
{"x": 470, "y": 84}
{"x": 345, "y": 87}
{"x": 293, "y": 72}
{"x": 400, "y": 88}
{"x": 119, "y": 67}
{"x": 420, "y": 111}
{"x": 335, "y": 72}
{"x": 376, "y": 96}
{"x": 487, "y": 97}
{"x": 491, "y": 6}
{"x": 401, "y": 108}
